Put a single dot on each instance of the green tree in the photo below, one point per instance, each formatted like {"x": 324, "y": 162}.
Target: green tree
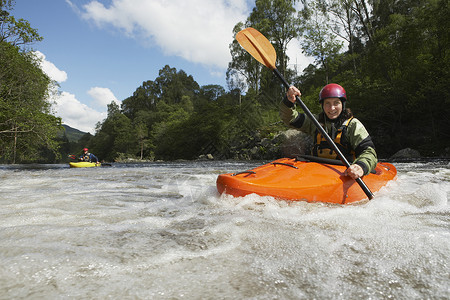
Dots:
{"x": 173, "y": 85}
{"x": 26, "y": 122}
{"x": 115, "y": 137}
{"x": 344, "y": 19}
{"x": 150, "y": 121}
{"x": 15, "y": 32}
{"x": 277, "y": 20}
{"x": 144, "y": 98}
{"x": 318, "y": 40}
{"x": 141, "y": 134}
{"x": 243, "y": 71}
{"x": 27, "y": 127}
{"x": 407, "y": 69}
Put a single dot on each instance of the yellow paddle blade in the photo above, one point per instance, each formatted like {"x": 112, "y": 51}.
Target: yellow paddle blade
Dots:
{"x": 258, "y": 46}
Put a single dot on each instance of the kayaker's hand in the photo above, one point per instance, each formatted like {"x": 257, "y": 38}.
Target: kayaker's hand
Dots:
{"x": 292, "y": 92}
{"x": 354, "y": 171}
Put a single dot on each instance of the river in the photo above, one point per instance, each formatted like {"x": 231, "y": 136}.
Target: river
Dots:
{"x": 161, "y": 231}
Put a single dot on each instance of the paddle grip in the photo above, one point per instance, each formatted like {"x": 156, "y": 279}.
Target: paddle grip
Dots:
{"x": 325, "y": 135}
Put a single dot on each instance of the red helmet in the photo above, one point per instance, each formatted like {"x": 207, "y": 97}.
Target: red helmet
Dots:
{"x": 332, "y": 90}
{"x": 85, "y": 149}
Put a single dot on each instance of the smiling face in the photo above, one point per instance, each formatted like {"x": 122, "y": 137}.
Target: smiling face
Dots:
{"x": 332, "y": 107}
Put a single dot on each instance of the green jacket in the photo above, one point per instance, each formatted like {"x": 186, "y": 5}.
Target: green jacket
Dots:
{"x": 356, "y": 136}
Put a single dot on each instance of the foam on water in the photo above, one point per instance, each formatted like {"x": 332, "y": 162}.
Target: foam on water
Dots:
{"x": 161, "y": 231}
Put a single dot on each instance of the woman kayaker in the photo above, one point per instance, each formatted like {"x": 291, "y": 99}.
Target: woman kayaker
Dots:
{"x": 89, "y": 157}
{"x": 348, "y": 133}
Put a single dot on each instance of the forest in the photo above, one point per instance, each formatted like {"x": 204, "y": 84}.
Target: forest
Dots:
{"x": 391, "y": 56}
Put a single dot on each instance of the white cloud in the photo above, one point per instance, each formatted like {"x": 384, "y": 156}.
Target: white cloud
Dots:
{"x": 50, "y": 69}
{"x": 297, "y": 59}
{"x": 102, "y": 96}
{"x": 69, "y": 108}
{"x": 76, "y": 114}
{"x": 199, "y": 31}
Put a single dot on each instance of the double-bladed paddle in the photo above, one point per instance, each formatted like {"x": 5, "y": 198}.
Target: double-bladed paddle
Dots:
{"x": 262, "y": 50}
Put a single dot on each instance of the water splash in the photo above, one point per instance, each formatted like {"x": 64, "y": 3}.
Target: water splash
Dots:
{"x": 162, "y": 231}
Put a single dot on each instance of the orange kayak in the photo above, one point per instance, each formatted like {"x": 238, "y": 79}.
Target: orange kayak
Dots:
{"x": 296, "y": 180}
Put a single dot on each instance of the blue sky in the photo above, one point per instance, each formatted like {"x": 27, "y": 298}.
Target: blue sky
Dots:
{"x": 101, "y": 51}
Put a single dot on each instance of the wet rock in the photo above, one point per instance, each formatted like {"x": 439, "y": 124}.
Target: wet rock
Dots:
{"x": 295, "y": 143}
{"x": 289, "y": 143}
{"x": 265, "y": 142}
{"x": 208, "y": 156}
{"x": 406, "y": 153}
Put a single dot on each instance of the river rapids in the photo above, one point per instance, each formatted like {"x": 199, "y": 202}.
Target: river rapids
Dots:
{"x": 161, "y": 231}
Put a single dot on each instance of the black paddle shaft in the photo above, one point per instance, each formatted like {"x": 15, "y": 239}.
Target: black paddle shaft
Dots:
{"x": 325, "y": 134}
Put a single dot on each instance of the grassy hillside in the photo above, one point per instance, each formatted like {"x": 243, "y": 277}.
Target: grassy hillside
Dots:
{"x": 73, "y": 134}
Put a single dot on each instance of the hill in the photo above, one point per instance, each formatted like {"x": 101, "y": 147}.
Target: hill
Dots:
{"x": 73, "y": 134}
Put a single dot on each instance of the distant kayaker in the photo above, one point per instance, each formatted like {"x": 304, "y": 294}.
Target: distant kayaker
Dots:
{"x": 348, "y": 133}
{"x": 89, "y": 157}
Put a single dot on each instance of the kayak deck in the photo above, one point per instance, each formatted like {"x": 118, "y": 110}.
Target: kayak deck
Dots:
{"x": 295, "y": 180}
{"x": 84, "y": 164}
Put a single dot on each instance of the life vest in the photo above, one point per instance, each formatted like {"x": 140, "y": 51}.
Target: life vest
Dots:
{"x": 323, "y": 149}
{"x": 87, "y": 157}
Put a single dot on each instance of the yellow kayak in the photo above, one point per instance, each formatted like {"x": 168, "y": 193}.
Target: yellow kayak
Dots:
{"x": 84, "y": 164}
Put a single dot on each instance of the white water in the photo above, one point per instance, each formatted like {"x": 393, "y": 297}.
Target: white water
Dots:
{"x": 161, "y": 231}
